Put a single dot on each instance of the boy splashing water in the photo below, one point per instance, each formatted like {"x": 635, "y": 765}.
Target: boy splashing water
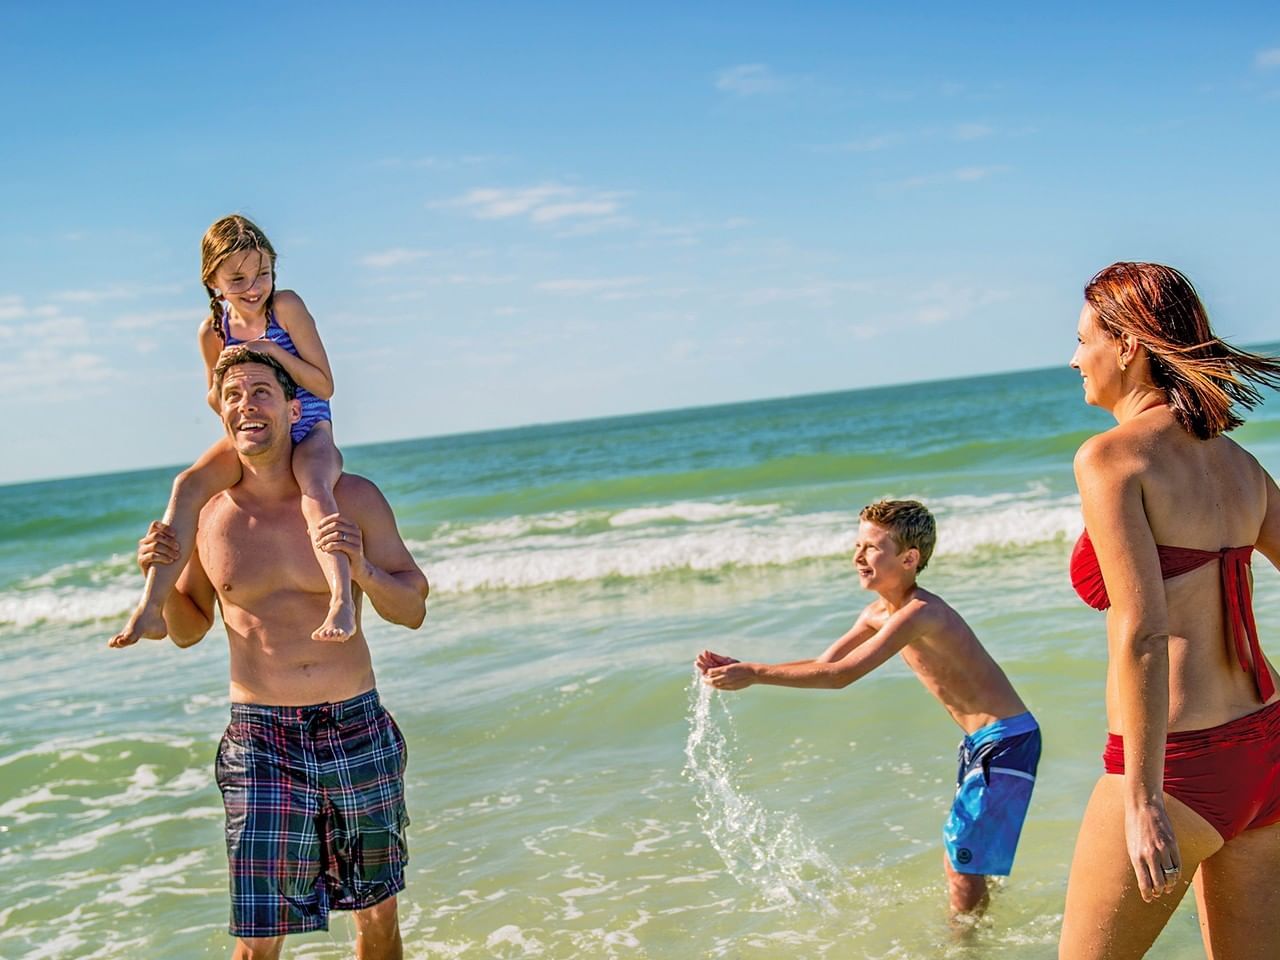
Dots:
{"x": 238, "y": 269}
{"x": 1001, "y": 746}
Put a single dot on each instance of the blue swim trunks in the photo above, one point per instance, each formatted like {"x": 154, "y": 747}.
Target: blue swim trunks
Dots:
{"x": 997, "y": 771}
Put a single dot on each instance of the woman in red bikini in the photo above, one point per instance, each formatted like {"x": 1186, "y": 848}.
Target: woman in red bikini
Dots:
{"x": 1173, "y": 510}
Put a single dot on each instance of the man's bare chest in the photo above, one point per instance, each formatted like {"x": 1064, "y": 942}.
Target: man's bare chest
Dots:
{"x": 249, "y": 552}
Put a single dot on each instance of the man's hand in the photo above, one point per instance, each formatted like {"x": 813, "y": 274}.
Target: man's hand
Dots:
{"x": 158, "y": 546}
{"x": 337, "y": 534}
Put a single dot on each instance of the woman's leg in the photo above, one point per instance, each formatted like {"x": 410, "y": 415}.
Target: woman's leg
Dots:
{"x": 217, "y": 469}
{"x": 1106, "y": 917}
{"x": 317, "y": 464}
{"x": 1239, "y": 897}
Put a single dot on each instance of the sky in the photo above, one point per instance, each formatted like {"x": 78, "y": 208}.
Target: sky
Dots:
{"x": 502, "y": 214}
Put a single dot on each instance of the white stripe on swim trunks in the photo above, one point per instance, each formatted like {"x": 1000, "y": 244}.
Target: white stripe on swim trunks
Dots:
{"x": 1007, "y": 770}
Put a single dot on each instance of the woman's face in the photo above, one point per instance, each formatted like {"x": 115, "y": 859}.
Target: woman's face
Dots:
{"x": 1097, "y": 357}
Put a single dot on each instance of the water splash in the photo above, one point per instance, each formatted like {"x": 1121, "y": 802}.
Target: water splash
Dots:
{"x": 764, "y": 849}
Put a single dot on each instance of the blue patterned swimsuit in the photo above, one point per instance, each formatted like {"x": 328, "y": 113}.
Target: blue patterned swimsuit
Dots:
{"x": 314, "y": 409}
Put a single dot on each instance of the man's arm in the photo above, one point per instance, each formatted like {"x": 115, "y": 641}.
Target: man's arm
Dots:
{"x": 381, "y": 564}
{"x": 188, "y": 610}
{"x": 851, "y": 657}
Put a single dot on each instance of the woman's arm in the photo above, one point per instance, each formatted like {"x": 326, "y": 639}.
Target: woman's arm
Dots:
{"x": 1109, "y": 476}
{"x": 310, "y": 368}
{"x": 1269, "y": 536}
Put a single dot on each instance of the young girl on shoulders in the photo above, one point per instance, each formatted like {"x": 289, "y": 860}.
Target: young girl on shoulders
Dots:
{"x": 238, "y": 268}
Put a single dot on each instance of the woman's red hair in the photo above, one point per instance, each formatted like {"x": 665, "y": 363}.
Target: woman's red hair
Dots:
{"x": 1202, "y": 376}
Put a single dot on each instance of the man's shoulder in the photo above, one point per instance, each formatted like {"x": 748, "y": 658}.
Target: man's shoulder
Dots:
{"x": 353, "y": 490}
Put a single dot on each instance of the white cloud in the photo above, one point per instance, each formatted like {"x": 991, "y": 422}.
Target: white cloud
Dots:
{"x": 161, "y": 318}
{"x": 544, "y": 203}
{"x": 750, "y": 79}
{"x": 589, "y": 286}
{"x": 971, "y": 131}
{"x": 869, "y": 144}
{"x": 1267, "y": 59}
{"x": 959, "y": 175}
{"x": 822, "y": 292}
{"x": 116, "y": 293}
{"x": 395, "y": 257}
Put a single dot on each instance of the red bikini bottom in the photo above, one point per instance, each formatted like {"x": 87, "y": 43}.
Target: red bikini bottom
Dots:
{"x": 1229, "y": 774}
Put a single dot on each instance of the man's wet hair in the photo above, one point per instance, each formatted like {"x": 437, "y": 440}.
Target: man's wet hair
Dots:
{"x": 238, "y": 355}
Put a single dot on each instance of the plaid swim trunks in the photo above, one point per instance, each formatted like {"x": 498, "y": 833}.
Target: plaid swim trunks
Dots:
{"x": 316, "y": 817}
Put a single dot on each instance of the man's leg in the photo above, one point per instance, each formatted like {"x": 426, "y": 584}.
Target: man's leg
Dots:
{"x": 378, "y": 932}
{"x": 257, "y": 948}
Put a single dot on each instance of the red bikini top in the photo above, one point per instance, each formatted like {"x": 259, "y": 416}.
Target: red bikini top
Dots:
{"x": 1233, "y": 562}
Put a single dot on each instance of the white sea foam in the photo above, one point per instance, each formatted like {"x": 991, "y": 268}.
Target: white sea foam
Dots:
{"x": 767, "y": 850}
{"x": 582, "y": 546}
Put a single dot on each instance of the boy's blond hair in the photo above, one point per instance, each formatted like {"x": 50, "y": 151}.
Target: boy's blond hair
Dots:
{"x": 909, "y": 522}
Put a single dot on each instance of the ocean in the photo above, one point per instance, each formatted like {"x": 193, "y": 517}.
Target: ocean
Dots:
{"x": 574, "y": 792}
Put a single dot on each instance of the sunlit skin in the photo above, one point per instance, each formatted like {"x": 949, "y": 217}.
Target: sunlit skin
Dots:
{"x": 1149, "y": 481}
{"x": 932, "y": 639}
{"x": 255, "y": 561}
{"x": 244, "y": 281}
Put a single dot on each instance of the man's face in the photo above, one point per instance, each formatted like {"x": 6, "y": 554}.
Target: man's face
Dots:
{"x": 255, "y": 412}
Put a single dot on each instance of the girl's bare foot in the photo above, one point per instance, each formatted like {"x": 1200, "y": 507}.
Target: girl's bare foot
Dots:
{"x": 145, "y": 622}
{"x": 339, "y": 624}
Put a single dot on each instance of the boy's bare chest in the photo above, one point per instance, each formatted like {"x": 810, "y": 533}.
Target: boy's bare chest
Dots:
{"x": 251, "y": 552}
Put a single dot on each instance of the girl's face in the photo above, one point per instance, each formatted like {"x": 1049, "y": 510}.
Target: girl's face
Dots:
{"x": 1097, "y": 357}
{"x": 244, "y": 279}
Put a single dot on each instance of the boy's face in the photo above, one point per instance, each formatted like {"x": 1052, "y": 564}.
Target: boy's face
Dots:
{"x": 879, "y": 562}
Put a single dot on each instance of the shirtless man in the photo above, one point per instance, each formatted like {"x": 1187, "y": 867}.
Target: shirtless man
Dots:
{"x": 1001, "y": 747}
{"x": 311, "y": 768}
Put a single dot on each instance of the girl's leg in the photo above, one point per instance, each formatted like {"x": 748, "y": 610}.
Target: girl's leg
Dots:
{"x": 317, "y": 464}
{"x": 1239, "y": 896}
{"x": 216, "y": 470}
{"x": 1106, "y": 917}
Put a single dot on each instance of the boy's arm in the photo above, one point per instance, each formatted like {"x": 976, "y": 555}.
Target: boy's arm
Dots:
{"x": 863, "y": 648}
{"x": 381, "y": 564}
{"x": 310, "y": 368}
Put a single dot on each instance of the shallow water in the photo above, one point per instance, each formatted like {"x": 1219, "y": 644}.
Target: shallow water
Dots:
{"x": 573, "y": 792}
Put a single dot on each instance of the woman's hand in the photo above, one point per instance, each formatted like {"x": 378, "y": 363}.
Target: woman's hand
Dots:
{"x": 1153, "y": 849}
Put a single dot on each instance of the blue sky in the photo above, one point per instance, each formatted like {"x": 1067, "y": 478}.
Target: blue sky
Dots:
{"x": 512, "y": 213}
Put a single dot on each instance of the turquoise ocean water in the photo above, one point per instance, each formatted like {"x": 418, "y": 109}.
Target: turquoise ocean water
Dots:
{"x": 574, "y": 793}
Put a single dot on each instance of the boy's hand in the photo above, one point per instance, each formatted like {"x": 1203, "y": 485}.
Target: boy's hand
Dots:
{"x": 158, "y": 546}
{"x": 734, "y": 675}
{"x": 706, "y": 660}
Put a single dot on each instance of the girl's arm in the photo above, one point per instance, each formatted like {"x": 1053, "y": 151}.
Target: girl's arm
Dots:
{"x": 1109, "y": 476}
{"x": 310, "y": 368}
{"x": 211, "y": 347}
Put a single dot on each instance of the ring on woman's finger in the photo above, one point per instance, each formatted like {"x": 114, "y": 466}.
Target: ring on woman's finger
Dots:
{"x": 1169, "y": 870}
